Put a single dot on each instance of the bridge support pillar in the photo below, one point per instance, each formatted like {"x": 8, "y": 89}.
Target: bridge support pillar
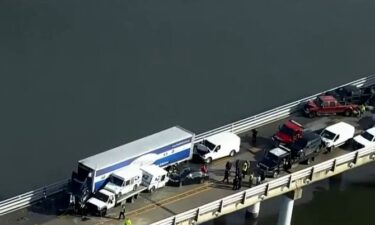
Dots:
{"x": 286, "y": 210}
{"x": 253, "y": 211}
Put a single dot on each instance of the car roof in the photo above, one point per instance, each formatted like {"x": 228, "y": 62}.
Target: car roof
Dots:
{"x": 371, "y": 131}
{"x": 154, "y": 169}
{"x": 293, "y": 125}
{"x": 278, "y": 151}
{"x": 219, "y": 138}
{"x": 327, "y": 98}
{"x": 308, "y": 135}
{"x": 339, "y": 126}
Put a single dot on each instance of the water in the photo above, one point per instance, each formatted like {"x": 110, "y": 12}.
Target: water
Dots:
{"x": 81, "y": 77}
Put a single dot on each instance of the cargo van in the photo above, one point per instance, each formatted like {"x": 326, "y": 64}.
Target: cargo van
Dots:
{"x": 154, "y": 177}
{"x": 337, "y": 134}
{"x": 218, "y": 146}
{"x": 124, "y": 181}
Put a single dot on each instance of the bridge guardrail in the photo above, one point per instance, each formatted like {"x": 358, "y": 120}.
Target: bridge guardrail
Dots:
{"x": 27, "y": 199}
{"x": 285, "y": 184}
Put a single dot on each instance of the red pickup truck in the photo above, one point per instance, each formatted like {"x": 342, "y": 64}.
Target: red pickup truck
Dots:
{"x": 328, "y": 105}
{"x": 289, "y": 132}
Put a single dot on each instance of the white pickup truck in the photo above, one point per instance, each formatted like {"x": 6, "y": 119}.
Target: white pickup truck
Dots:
{"x": 337, "y": 134}
{"x": 125, "y": 186}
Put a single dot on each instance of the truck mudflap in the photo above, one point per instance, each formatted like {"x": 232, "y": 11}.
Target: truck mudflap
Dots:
{"x": 129, "y": 197}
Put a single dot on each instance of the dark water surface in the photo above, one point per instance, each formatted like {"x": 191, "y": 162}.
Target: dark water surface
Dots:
{"x": 81, "y": 77}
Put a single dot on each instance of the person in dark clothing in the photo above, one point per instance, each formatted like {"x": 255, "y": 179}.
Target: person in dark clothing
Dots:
{"x": 226, "y": 176}
{"x": 239, "y": 185}
{"x": 237, "y": 168}
{"x": 235, "y": 183}
{"x": 228, "y": 165}
{"x": 122, "y": 212}
{"x": 254, "y": 135}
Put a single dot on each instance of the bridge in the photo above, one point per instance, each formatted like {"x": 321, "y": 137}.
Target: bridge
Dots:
{"x": 195, "y": 204}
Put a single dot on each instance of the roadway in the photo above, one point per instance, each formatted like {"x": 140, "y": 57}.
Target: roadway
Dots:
{"x": 168, "y": 201}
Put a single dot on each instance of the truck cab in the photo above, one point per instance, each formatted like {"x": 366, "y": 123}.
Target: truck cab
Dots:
{"x": 288, "y": 132}
{"x": 274, "y": 161}
{"x": 218, "y": 146}
{"x": 124, "y": 181}
{"x": 337, "y": 134}
{"x": 154, "y": 177}
{"x": 102, "y": 201}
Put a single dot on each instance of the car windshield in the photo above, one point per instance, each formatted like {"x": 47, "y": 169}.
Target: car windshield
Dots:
{"x": 318, "y": 102}
{"x": 286, "y": 130}
{"x": 185, "y": 172}
{"x": 368, "y": 136}
{"x": 328, "y": 134}
{"x": 116, "y": 180}
{"x": 208, "y": 144}
{"x": 272, "y": 157}
{"x": 102, "y": 197}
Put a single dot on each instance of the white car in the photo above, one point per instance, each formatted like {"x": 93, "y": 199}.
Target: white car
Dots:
{"x": 366, "y": 139}
{"x": 337, "y": 134}
{"x": 218, "y": 146}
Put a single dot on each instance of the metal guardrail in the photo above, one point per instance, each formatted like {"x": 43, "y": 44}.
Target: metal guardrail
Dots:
{"x": 27, "y": 199}
{"x": 285, "y": 184}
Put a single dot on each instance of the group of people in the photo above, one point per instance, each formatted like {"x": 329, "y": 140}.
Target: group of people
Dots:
{"x": 240, "y": 173}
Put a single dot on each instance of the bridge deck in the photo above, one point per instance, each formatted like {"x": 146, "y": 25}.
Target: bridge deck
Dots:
{"x": 168, "y": 201}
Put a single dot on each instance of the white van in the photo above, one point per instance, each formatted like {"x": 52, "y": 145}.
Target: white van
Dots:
{"x": 337, "y": 135}
{"x": 124, "y": 181}
{"x": 154, "y": 177}
{"x": 218, "y": 146}
{"x": 366, "y": 139}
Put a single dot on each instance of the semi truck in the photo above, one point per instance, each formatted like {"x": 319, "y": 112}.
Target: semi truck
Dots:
{"x": 125, "y": 186}
{"x": 165, "y": 148}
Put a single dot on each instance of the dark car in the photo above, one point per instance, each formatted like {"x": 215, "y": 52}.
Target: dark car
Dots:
{"x": 306, "y": 148}
{"x": 352, "y": 94}
{"x": 187, "y": 176}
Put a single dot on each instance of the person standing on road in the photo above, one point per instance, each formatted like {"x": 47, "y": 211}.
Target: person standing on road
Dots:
{"x": 239, "y": 185}
{"x": 244, "y": 169}
{"x": 235, "y": 183}
{"x": 122, "y": 212}
{"x": 254, "y": 139}
{"x": 204, "y": 168}
{"x": 226, "y": 176}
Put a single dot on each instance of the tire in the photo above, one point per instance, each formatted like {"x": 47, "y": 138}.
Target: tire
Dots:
{"x": 275, "y": 174}
{"x": 209, "y": 160}
{"x": 232, "y": 153}
{"x": 308, "y": 161}
{"x": 152, "y": 189}
{"x": 103, "y": 213}
{"x": 135, "y": 187}
{"x": 348, "y": 113}
{"x": 312, "y": 114}
{"x": 329, "y": 149}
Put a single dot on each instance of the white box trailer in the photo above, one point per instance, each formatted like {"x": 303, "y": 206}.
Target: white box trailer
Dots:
{"x": 165, "y": 148}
